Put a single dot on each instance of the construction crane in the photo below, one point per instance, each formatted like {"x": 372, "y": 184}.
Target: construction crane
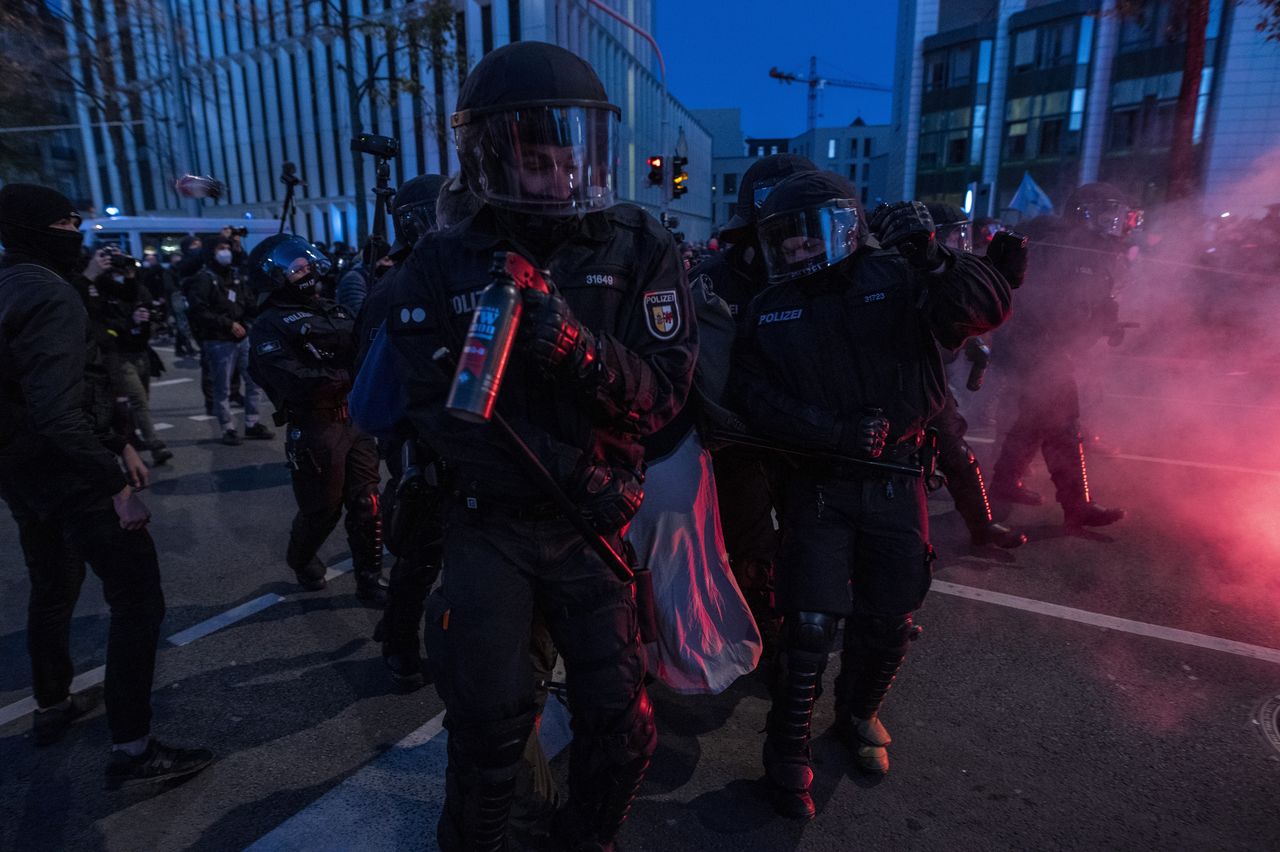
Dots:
{"x": 814, "y": 82}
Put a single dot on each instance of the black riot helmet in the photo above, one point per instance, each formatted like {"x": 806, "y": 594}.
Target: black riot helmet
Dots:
{"x": 413, "y": 210}
{"x": 758, "y": 181}
{"x": 286, "y": 264}
{"x": 953, "y": 228}
{"x": 536, "y": 133}
{"x": 809, "y": 222}
{"x": 1103, "y": 209}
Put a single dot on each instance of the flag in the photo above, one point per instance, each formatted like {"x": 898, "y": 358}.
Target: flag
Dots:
{"x": 1030, "y": 200}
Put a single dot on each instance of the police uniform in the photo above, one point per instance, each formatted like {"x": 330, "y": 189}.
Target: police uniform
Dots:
{"x": 302, "y": 352}
{"x": 507, "y": 549}
{"x": 822, "y": 357}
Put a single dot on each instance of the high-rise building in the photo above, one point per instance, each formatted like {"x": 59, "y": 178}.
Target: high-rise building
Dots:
{"x": 236, "y": 90}
{"x": 1071, "y": 91}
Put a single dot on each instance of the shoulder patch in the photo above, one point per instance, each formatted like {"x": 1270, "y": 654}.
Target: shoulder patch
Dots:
{"x": 408, "y": 319}
{"x": 704, "y": 281}
{"x": 266, "y": 347}
{"x": 662, "y": 313}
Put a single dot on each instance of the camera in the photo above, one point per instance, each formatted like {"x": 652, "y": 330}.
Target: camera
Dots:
{"x": 120, "y": 260}
{"x": 385, "y": 147}
{"x": 241, "y": 231}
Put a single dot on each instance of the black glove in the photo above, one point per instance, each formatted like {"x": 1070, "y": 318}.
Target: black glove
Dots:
{"x": 865, "y": 438}
{"x": 979, "y": 355}
{"x": 908, "y": 227}
{"x": 1008, "y": 254}
{"x": 609, "y": 497}
{"x": 557, "y": 340}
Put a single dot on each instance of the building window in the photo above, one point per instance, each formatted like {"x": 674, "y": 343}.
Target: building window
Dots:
{"x": 1016, "y": 140}
{"x": 864, "y": 196}
{"x": 957, "y": 150}
{"x": 486, "y": 29}
{"x": 936, "y": 73}
{"x": 513, "y": 16}
{"x": 1123, "y": 130}
{"x": 773, "y": 149}
{"x": 853, "y": 172}
{"x": 831, "y": 149}
{"x": 1024, "y": 50}
{"x": 866, "y": 173}
{"x": 1050, "y": 137}
{"x": 760, "y": 151}
{"x": 731, "y": 184}
{"x": 866, "y": 147}
{"x": 960, "y": 67}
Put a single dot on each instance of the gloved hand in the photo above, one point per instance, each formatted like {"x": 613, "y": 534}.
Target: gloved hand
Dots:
{"x": 865, "y": 438}
{"x": 609, "y": 497}
{"x": 908, "y": 227}
{"x": 1008, "y": 254}
{"x": 555, "y": 337}
{"x": 979, "y": 355}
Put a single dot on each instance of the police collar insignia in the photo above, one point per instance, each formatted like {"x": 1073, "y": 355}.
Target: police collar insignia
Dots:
{"x": 266, "y": 347}
{"x": 662, "y": 313}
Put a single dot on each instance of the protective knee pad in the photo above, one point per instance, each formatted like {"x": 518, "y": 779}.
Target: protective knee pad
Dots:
{"x": 883, "y": 633}
{"x": 490, "y": 746}
{"x": 810, "y": 634}
{"x": 600, "y": 646}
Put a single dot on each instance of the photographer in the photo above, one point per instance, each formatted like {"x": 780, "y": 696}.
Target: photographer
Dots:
{"x": 128, "y": 309}
{"x": 69, "y": 496}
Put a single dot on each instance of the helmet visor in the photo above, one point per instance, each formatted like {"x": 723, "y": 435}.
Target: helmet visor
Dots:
{"x": 1112, "y": 217}
{"x": 293, "y": 263}
{"x": 555, "y": 160}
{"x": 957, "y": 236}
{"x": 801, "y": 242}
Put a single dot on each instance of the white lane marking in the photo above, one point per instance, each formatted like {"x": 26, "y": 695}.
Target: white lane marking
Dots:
{"x": 168, "y": 382}
{"x": 1110, "y": 622}
{"x": 18, "y": 709}
{"x": 160, "y": 427}
{"x": 1193, "y": 402}
{"x": 93, "y": 677}
{"x": 392, "y": 802}
{"x": 201, "y": 418}
{"x": 1227, "y": 468}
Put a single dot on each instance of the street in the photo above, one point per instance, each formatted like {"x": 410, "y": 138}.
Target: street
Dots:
{"x": 1107, "y": 689}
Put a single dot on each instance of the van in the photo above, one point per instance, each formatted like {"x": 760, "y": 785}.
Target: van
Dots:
{"x": 136, "y": 235}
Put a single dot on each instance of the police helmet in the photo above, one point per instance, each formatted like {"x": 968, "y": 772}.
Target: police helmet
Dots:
{"x": 536, "y": 133}
{"x": 283, "y": 263}
{"x": 1103, "y": 209}
{"x": 809, "y": 222}
{"x": 758, "y": 181}
{"x": 413, "y": 210}
{"x": 953, "y": 228}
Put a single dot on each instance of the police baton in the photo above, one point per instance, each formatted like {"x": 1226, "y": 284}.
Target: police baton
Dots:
{"x": 752, "y": 442}
{"x": 536, "y": 469}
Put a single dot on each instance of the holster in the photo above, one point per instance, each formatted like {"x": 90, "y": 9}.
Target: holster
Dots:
{"x": 646, "y": 605}
{"x": 417, "y": 500}
{"x": 933, "y": 480}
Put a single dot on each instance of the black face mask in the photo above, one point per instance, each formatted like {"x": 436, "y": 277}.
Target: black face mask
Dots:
{"x": 57, "y": 248}
{"x": 541, "y": 235}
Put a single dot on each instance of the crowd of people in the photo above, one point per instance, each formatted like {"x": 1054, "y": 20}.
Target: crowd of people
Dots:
{"x": 781, "y": 397}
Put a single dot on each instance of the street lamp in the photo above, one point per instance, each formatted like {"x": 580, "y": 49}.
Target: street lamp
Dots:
{"x": 112, "y": 210}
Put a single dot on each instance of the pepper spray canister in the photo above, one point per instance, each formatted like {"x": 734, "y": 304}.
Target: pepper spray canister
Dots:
{"x": 485, "y": 352}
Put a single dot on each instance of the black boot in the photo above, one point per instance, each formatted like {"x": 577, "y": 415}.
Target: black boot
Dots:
{"x": 309, "y": 570}
{"x": 874, "y": 649}
{"x": 796, "y": 686}
{"x": 365, "y": 538}
{"x": 480, "y": 785}
{"x": 1016, "y": 453}
{"x": 1064, "y": 456}
{"x": 969, "y": 491}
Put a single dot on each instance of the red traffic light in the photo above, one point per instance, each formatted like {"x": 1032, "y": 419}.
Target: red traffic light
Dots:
{"x": 655, "y": 171}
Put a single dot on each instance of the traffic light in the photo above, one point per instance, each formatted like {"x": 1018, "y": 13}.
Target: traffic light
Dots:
{"x": 655, "y": 171}
{"x": 679, "y": 177}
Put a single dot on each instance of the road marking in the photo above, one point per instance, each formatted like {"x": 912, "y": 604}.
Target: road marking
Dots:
{"x": 394, "y": 801}
{"x": 160, "y": 427}
{"x": 93, "y": 677}
{"x": 1193, "y": 402}
{"x": 1110, "y": 622}
{"x": 1227, "y": 468}
{"x": 168, "y": 382}
{"x": 200, "y": 418}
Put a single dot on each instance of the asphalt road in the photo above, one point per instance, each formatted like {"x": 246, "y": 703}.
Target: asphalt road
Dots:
{"x": 1090, "y": 723}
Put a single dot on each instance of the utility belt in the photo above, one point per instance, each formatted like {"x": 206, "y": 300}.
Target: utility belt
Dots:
{"x": 917, "y": 451}
{"x": 476, "y": 506}
{"x": 300, "y": 416}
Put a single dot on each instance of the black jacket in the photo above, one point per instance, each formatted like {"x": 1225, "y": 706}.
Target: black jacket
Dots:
{"x": 122, "y": 300}
{"x": 813, "y": 355}
{"x": 303, "y": 353}
{"x": 622, "y": 278}
{"x": 217, "y": 298}
{"x": 731, "y": 278}
{"x": 43, "y": 344}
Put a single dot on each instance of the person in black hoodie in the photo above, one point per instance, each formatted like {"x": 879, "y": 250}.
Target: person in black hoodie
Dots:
{"x": 221, "y": 310}
{"x": 71, "y": 499}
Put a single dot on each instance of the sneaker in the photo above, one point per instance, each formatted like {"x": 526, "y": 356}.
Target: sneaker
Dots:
{"x": 258, "y": 432}
{"x": 230, "y": 438}
{"x": 157, "y": 764}
{"x": 160, "y": 455}
{"x": 48, "y": 726}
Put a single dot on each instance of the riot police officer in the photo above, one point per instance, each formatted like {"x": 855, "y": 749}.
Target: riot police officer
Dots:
{"x": 302, "y": 350}
{"x": 956, "y": 459}
{"x": 742, "y": 486}
{"x": 1075, "y": 265}
{"x": 841, "y": 356}
{"x": 605, "y": 358}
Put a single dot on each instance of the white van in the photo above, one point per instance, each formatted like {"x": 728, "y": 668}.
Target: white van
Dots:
{"x": 136, "y": 235}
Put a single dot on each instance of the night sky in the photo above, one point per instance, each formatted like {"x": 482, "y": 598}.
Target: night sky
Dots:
{"x": 719, "y": 55}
